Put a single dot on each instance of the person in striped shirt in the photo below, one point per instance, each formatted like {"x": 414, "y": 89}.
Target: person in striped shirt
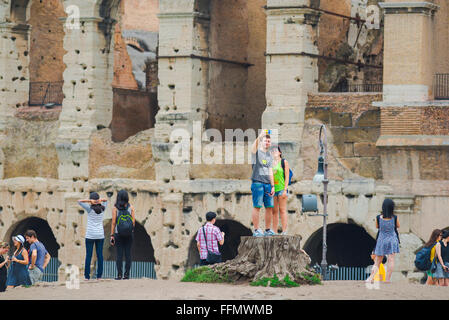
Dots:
{"x": 94, "y": 231}
{"x": 213, "y": 235}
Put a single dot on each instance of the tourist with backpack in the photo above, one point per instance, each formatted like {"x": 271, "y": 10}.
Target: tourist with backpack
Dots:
{"x": 426, "y": 254}
{"x": 122, "y": 232}
{"x": 94, "y": 232}
{"x": 387, "y": 243}
{"x": 207, "y": 239}
{"x": 282, "y": 178}
{"x": 442, "y": 263}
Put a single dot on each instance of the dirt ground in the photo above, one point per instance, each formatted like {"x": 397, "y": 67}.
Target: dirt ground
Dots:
{"x": 148, "y": 289}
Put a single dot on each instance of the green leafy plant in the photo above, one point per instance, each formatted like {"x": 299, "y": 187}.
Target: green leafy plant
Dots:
{"x": 315, "y": 279}
{"x": 275, "y": 282}
{"x": 204, "y": 275}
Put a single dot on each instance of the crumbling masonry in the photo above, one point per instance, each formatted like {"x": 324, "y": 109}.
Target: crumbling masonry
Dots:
{"x": 255, "y": 64}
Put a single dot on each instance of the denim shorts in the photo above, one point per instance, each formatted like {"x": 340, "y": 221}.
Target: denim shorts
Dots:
{"x": 280, "y": 193}
{"x": 261, "y": 195}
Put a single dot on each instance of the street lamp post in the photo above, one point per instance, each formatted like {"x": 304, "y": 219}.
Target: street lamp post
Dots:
{"x": 321, "y": 176}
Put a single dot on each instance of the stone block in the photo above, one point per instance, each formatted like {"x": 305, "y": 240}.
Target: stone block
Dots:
{"x": 370, "y": 168}
{"x": 343, "y": 119}
{"x": 365, "y": 149}
{"x": 362, "y": 134}
{"x": 370, "y": 118}
{"x": 322, "y": 114}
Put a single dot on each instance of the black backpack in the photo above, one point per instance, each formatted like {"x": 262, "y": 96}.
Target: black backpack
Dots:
{"x": 124, "y": 223}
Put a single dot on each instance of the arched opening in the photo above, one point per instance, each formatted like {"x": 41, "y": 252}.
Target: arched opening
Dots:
{"x": 348, "y": 245}
{"x": 233, "y": 231}
{"x": 142, "y": 248}
{"x": 135, "y": 69}
{"x": 43, "y": 231}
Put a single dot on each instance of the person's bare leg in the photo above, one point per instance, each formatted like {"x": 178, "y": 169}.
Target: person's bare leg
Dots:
{"x": 430, "y": 281}
{"x": 390, "y": 267}
{"x": 275, "y": 214}
{"x": 268, "y": 217}
{"x": 255, "y": 218}
{"x": 377, "y": 261}
{"x": 441, "y": 282}
{"x": 283, "y": 211}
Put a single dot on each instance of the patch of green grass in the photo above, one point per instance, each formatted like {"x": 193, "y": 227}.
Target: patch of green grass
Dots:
{"x": 204, "y": 275}
{"x": 275, "y": 282}
{"x": 315, "y": 279}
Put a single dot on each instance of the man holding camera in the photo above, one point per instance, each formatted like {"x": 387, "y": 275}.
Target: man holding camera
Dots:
{"x": 262, "y": 186}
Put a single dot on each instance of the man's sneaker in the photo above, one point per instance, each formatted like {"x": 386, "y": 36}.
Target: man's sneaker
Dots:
{"x": 269, "y": 233}
{"x": 258, "y": 233}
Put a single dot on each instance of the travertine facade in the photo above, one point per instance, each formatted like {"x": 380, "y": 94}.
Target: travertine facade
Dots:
{"x": 259, "y": 59}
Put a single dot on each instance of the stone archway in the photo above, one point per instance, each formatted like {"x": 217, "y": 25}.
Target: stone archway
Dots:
{"x": 348, "y": 245}
{"x": 142, "y": 248}
{"x": 233, "y": 231}
{"x": 43, "y": 231}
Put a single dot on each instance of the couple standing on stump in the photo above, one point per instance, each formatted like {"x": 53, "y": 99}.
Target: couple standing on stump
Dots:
{"x": 270, "y": 179}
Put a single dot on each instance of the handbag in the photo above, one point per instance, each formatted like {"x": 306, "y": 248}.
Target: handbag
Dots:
{"x": 212, "y": 257}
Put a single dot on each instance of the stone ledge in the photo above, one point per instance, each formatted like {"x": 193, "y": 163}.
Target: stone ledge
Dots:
{"x": 413, "y": 141}
{"x": 38, "y": 113}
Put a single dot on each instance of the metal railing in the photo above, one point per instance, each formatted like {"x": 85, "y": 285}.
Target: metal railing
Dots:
{"x": 139, "y": 269}
{"x": 51, "y": 271}
{"x": 42, "y": 93}
{"x": 441, "y": 86}
{"x": 349, "y": 273}
{"x": 364, "y": 87}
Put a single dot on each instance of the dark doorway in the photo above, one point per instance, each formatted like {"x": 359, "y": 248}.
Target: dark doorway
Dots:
{"x": 142, "y": 248}
{"x": 233, "y": 231}
{"x": 348, "y": 245}
{"x": 44, "y": 234}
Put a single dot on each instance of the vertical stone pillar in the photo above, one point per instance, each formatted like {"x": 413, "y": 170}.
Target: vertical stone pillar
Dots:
{"x": 14, "y": 71}
{"x": 88, "y": 95}
{"x": 292, "y": 70}
{"x": 408, "y": 50}
{"x": 183, "y": 78}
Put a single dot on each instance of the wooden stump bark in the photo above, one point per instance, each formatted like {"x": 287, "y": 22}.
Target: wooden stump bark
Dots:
{"x": 260, "y": 257}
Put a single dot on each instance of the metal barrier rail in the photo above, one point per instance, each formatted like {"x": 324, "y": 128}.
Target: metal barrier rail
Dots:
{"x": 139, "y": 269}
{"x": 441, "y": 86}
{"x": 46, "y": 92}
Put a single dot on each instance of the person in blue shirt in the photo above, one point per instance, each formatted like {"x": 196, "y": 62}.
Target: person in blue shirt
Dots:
{"x": 39, "y": 256}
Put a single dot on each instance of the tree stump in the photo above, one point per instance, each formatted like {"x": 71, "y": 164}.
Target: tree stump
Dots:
{"x": 260, "y": 257}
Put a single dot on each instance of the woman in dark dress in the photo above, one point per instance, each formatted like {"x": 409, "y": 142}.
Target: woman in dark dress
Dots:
{"x": 18, "y": 271}
{"x": 4, "y": 248}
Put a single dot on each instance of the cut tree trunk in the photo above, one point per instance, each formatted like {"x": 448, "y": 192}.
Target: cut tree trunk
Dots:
{"x": 260, "y": 257}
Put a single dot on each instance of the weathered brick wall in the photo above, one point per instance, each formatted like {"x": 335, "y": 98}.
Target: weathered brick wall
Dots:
{"x": 426, "y": 120}
{"x": 133, "y": 111}
{"x": 353, "y": 126}
{"x": 46, "y": 41}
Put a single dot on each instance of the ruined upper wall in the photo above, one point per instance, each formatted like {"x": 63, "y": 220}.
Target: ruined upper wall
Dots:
{"x": 141, "y": 15}
{"x": 46, "y": 41}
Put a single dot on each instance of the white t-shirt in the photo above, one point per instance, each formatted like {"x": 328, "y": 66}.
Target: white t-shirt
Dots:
{"x": 95, "y": 229}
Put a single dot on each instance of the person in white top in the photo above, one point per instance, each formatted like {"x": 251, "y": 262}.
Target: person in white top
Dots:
{"x": 94, "y": 232}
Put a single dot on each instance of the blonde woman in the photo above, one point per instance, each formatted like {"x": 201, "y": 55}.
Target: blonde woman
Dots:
{"x": 4, "y": 263}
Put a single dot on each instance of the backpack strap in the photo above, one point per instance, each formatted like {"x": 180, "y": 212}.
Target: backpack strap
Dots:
{"x": 283, "y": 164}
{"x": 205, "y": 239}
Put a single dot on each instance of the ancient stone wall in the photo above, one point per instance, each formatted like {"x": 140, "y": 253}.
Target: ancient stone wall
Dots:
{"x": 353, "y": 127}
{"x": 46, "y": 41}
